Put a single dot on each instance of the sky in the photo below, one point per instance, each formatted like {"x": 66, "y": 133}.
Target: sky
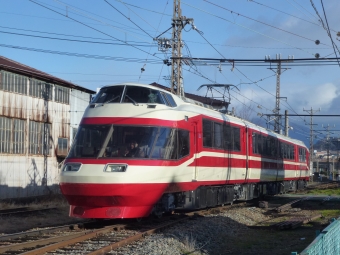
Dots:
{"x": 94, "y": 43}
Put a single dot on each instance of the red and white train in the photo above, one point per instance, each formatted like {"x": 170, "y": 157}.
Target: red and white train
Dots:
{"x": 141, "y": 150}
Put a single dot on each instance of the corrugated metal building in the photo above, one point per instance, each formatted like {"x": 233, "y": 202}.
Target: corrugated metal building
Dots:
{"x": 39, "y": 116}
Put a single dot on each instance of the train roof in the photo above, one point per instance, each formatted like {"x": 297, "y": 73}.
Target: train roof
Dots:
{"x": 196, "y": 106}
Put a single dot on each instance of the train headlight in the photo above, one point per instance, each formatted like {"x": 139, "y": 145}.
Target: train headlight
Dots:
{"x": 71, "y": 167}
{"x": 115, "y": 168}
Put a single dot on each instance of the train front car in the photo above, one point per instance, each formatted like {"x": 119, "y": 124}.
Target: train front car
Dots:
{"x": 142, "y": 150}
{"x": 127, "y": 148}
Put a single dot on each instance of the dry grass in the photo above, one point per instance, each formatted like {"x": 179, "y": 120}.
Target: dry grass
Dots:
{"x": 36, "y": 203}
{"x": 190, "y": 246}
{"x": 23, "y": 222}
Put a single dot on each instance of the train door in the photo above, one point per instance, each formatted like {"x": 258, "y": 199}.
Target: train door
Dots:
{"x": 278, "y": 154}
{"x": 247, "y": 150}
{"x": 195, "y": 150}
{"x": 300, "y": 168}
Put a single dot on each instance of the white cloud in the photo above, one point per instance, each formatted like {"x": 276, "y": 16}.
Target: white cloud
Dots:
{"x": 319, "y": 96}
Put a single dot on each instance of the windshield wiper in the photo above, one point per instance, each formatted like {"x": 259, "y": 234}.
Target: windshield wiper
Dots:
{"x": 112, "y": 99}
{"x": 133, "y": 101}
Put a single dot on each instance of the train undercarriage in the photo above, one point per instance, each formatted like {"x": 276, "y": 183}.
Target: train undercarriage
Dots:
{"x": 212, "y": 196}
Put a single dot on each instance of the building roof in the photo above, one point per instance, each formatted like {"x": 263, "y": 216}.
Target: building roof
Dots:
{"x": 19, "y": 68}
{"x": 205, "y": 100}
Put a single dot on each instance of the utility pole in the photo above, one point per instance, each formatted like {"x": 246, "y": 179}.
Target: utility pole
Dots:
{"x": 311, "y": 142}
{"x": 328, "y": 163}
{"x": 286, "y": 123}
{"x": 178, "y": 23}
{"x": 278, "y": 72}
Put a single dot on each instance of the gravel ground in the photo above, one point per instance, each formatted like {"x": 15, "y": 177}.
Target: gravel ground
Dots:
{"x": 224, "y": 231}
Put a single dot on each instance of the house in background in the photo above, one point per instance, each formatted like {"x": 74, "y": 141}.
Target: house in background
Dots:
{"x": 39, "y": 116}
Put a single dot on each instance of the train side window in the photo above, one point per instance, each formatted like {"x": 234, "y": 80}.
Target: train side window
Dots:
{"x": 218, "y": 135}
{"x": 302, "y": 155}
{"x": 237, "y": 139}
{"x": 171, "y": 100}
{"x": 183, "y": 143}
{"x": 227, "y": 137}
{"x": 207, "y": 133}
{"x": 167, "y": 103}
{"x": 257, "y": 143}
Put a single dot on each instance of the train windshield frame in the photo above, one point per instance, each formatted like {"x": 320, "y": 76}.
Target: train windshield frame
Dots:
{"x": 130, "y": 141}
{"x": 132, "y": 94}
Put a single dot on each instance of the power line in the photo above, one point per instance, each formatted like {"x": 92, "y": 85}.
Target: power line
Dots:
{"x": 135, "y": 60}
{"x": 302, "y": 8}
{"x": 329, "y": 33}
{"x": 138, "y": 15}
{"x": 262, "y": 22}
{"x": 92, "y": 28}
{"x": 68, "y": 35}
{"x": 252, "y": 1}
{"x": 247, "y": 28}
{"x": 83, "y": 13}
{"x": 74, "y": 40}
{"x": 143, "y": 8}
{"x": 128, "y": 18}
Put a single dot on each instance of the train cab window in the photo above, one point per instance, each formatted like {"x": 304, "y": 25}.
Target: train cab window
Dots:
{"x": 109, "y": 95}
{"x": 137, "y": 94}
{"x": 133, "y": 142}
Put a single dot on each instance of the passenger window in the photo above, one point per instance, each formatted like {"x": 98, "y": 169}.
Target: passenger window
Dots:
{"x": 207, "y": 133}
{"x": 171, "y": 100}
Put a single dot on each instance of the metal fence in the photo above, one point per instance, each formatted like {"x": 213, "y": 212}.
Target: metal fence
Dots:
{"x": 327, "y": 242}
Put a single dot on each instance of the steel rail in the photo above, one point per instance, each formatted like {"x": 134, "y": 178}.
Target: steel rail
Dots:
{"x": 134, "y": 238}
{"x": 25, "y": 210}
{"x": 40, "y": 232}
{"x": 76, "y": 238}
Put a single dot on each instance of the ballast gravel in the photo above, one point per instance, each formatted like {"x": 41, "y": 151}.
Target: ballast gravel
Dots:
{"x": 197, "y": 236}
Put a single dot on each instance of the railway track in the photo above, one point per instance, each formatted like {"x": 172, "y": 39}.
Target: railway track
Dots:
{"x": 93, "y": 237}
{"x": 23, "y": 210}
{"x": 97, "y": 239}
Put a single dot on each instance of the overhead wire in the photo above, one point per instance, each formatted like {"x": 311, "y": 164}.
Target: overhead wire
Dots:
{"x": 247, "y": 28}
{"x": 84, "y": 13}
{"x": 128, "y": 18}
{"x": 261, "y": 22}
{"x": 304, "y": 9}
{"x": 92, "y": 28}
{"x": 74, "y": 40}
{"x": 147, "y": 57}
{"x": 67, "y": 35}
{"x": 329, "y": 33}
{"x": 252, "y": 1}
{"x": 136, "y": 60}
{"x": 163, "y": 14}
{"x": 137, "y": 14}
